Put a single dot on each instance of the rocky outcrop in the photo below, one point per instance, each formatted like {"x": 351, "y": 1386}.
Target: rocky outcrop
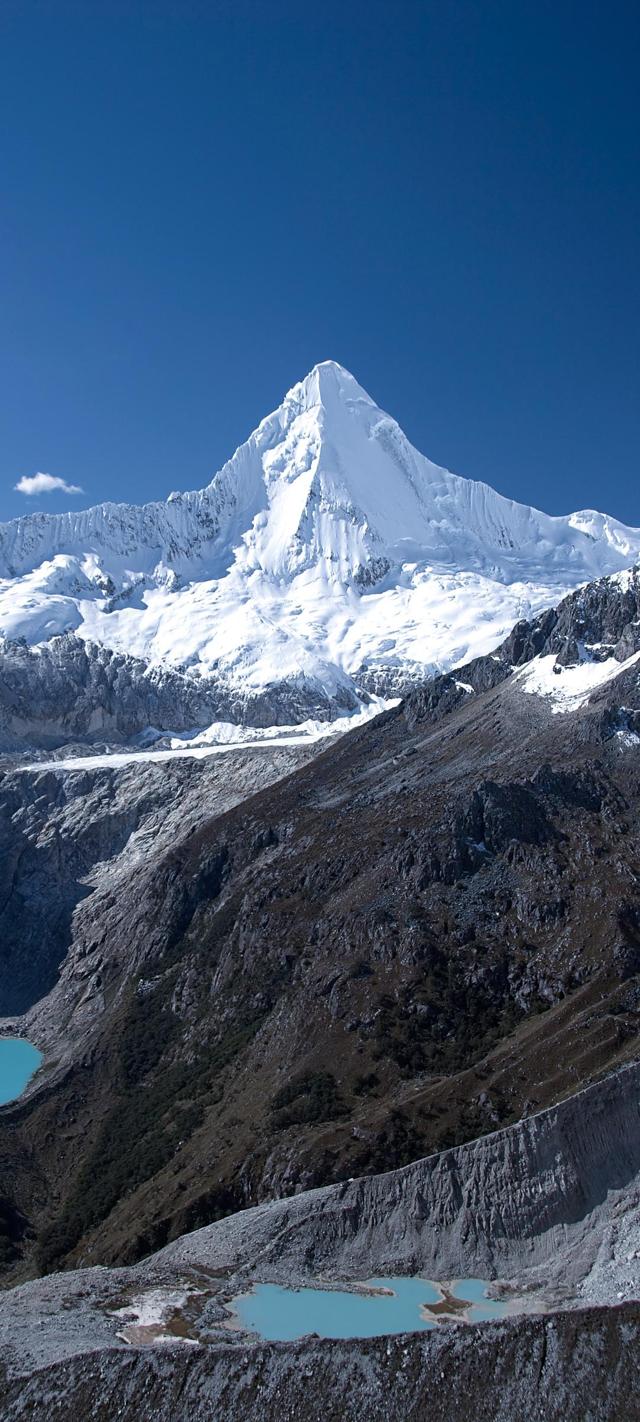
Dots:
{"x": 598, "y": 621}
{"x": 73, "y": 690}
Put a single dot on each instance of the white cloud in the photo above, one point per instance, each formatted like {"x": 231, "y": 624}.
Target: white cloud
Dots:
{"x": 45, "y": 484}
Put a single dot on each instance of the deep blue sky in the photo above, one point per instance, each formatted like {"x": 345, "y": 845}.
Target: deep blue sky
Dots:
{"x": 201, "y": 200}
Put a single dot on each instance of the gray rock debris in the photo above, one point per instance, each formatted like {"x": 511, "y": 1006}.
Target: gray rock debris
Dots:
{"x": 540, "y": 1203}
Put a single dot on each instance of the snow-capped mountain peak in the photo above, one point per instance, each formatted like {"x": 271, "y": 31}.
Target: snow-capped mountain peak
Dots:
{"x": 326, "y": 553}
{"x": 329, "y": 383}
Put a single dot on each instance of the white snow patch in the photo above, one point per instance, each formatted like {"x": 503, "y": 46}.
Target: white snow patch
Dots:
{"x": 569, "y": 687}
{"x": 225, "y": 735}
{"x": 153, "y": 1306}
{"x": 628, "y": 739}
{"x": 220, "y": 738}
{"x": 148, "y": 1316}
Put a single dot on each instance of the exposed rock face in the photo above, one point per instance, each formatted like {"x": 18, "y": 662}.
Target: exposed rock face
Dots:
{"x": 73, "y": 690}
{"x": 70, "y": 689}
{"x": 598, "y": 621}
{"x": 65, "y": 838}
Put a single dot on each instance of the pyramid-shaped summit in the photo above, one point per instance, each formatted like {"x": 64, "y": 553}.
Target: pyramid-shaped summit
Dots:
{"x": 328, "y": 555}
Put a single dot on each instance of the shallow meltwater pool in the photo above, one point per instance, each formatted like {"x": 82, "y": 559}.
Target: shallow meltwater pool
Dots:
{"x": 378, "y": 1306}
{"x": 18, "y": 1062}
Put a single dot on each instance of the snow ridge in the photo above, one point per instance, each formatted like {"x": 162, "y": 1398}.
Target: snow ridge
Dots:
{"x": 327, "y": 551}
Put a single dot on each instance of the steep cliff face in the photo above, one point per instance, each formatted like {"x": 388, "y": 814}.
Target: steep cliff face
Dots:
{"x": 327, "y": 558}
{"x": 70, "y": 690}
{"x": 67, "y": 839}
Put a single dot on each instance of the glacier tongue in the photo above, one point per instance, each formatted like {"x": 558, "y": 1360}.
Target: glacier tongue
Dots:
{"x": 327, "y": 552}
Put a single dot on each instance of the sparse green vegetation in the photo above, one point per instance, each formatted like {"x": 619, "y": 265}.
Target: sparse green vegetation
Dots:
{"x": 148, "y": 1121}
{"x": 311, "y": 1096}
{"x": 444, "y": 1020}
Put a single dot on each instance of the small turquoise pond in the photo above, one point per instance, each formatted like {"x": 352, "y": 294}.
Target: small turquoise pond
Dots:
{"x": 275, "y": 1312}
{"x": 18, "y": 1062}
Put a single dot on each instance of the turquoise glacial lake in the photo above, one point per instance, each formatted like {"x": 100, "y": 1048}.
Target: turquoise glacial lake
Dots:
{"x": 18, "y": 1062}
{"x": 275, "y": 1312}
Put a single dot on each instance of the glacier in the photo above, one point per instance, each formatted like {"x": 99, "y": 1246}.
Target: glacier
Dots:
{"x": 327, "y": 556}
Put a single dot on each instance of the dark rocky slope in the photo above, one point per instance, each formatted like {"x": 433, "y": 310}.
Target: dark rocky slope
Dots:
{"x": 431, "y": 929}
